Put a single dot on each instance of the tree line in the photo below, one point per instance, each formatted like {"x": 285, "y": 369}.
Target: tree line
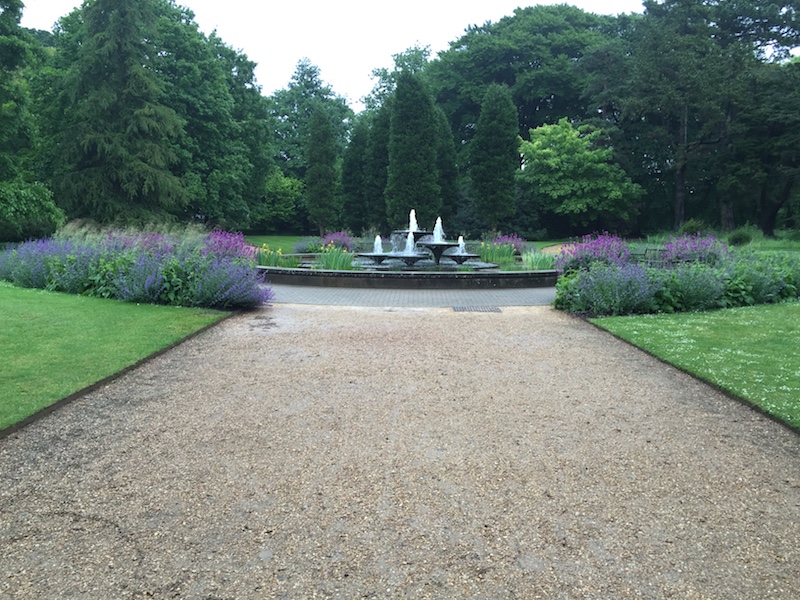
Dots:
{"x": 551, "y": 121}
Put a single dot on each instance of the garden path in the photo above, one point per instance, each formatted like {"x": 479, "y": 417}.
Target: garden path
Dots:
{"x": 306, "y": 451}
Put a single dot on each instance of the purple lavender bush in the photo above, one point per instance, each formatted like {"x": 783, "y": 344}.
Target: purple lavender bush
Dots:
{"x": 214, "y": 271}
{"x": 606, "y": 289}
{"x": 512, "y": 239}
{"x": 696, "y": 248}
{"x": 594, "y": 248}
{"x": 339, "y": 239}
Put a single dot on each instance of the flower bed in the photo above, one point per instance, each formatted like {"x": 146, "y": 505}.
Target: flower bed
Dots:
{"x": 216, "y": 270}
{"x": 599, "y": 275}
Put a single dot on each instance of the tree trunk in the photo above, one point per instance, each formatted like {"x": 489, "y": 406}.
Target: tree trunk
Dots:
{"x": 769, "y": 210}
{"x": 726, "y": 219}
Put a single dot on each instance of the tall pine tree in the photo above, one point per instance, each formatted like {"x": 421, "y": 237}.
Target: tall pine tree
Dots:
{"x": 494, "y": 153}
{"x": 117, "y": 140}
{"x": 321, "y": 175}
{"x": 412, "y": 175}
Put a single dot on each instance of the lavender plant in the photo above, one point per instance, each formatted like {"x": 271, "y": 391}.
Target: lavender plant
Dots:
{"x": 216, "y": 271}
{"x": 606, "y": 289}
{"x": 596, "y": 248}
{"x": 696, "y": 248}
{"x": 339, "y": 239}
{"x": 519, "y": 243}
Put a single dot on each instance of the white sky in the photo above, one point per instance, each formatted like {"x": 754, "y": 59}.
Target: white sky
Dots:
{"x": 346, "y": 39}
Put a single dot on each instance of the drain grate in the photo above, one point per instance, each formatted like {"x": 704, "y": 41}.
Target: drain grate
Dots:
{"x": 491, "y": 309}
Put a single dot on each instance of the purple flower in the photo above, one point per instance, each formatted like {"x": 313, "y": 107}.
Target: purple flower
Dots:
{"x": 340, "y": 239}
{"x": 603, "y": 248}
{"x": 513, "y": 239}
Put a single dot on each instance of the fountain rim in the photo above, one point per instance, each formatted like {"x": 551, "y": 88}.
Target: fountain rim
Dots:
{"x": 409, "y": 279}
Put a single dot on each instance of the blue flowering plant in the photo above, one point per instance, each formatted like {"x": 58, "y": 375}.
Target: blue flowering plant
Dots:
{"x": 215, "y": 270}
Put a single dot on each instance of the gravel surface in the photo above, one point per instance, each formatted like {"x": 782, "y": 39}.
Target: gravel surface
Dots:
{"x": 339, "y": 452}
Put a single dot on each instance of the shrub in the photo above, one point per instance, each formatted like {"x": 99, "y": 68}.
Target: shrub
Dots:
{"x": 740, "y": 237}
{"x": 308, "y": 246}
{"x": 696, "y": 248}
{"x": 693, "y": 227}
{"x": 603, "y": 248}
{"x": 688, "y": 287}
{"x": 606, "y": 289}
{"x": 216, "y": 271}
{"x": 515, "y": 240}
{"x": 340, "y": 239}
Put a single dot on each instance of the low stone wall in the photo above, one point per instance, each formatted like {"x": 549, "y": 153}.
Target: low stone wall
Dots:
{"x": 411, "y": 279}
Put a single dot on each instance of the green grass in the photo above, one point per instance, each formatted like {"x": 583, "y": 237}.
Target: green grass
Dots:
{"x": 751, "y": 352}
{"x": 283, "y": 242}
{"x": 52, "y": 345}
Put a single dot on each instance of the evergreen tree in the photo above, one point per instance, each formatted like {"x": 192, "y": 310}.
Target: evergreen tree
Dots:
{"x": 118, "y": 137}
{"x": 376, "y": 166}
{"x": 355, "y": 207}
{"x": 412, "y": 176}
{"x": 446, "y": 166}
{"x": 321, "y": 176}
{"x": 26, "y": 207}
{"x": 494, "y": 154}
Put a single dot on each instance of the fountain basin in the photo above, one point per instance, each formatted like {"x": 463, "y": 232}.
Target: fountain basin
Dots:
{"x": 405, "y": 279}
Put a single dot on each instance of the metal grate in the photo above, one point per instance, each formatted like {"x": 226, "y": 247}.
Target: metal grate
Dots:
{"x": 488, "y": 309}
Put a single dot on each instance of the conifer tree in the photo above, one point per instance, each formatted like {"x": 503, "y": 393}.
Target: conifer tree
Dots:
{"x": 321, "y": 175}
{"x": 412, "y": 176}
{"x": 494, "y": 154}
{"x": 117, "y": 143}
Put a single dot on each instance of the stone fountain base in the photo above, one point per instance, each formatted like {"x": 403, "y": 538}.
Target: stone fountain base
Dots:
{"x": 405, "y": 279}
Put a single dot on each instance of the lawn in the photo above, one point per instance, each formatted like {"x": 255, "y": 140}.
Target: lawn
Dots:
{"x": 52, "y": 345}
{"x": 752, "y": 352}
{"x": 284, "y": 243}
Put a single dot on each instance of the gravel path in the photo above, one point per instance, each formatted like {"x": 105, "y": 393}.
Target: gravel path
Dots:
{"x": 340, "y": 452}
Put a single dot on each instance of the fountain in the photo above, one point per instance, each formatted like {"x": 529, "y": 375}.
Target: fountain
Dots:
{"x": 438, "y": 245}
{"x": 398, "y": 268}
{"x": 460, "y": 255}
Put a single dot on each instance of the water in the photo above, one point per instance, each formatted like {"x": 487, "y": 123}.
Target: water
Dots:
{"x": 438, "y": 232}
{"x": 462, "y": 246}
{"x": 377, "y": 247}
{"x": 409, "y": 249}
{"x": 412, "y": 220}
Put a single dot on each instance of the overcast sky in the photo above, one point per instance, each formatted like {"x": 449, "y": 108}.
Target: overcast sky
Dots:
{"x": 346, "y": 39}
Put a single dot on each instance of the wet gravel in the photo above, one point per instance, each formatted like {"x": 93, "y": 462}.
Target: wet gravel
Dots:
{"x": 337, "y": 452}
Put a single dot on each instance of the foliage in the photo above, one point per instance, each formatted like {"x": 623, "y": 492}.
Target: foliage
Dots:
{"x": 743, "y": 350}
{"x": 569, "y": 173}
{"x": 502, "y": 253}
{"x": 293, "y": 107}
{"x": 27, "y": 210}
{"x": 604, "y": 248}
{"x": 216, "y": 271}
{"x": 276, "y": 210}
{"x": 698, "y": 273}
{"x": 537, "y": 261}
{"x": 412, "y": 177}
{"x": 268, "y": 257}
{"x": 116, "y": 138}
{"x": 335, "y": 258}
{"x": 308, "y": 246}
{"x": 494, "y": 156}
{"x": 606, "y": 289}
{"x": 79, "y": 340}
{"x": 690, "y": 248}
{"x": 322, "y": 176}
{"x": 740, "y": 237}
{"x": 514, "y": 239}
{"x": 340, "y": 239}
